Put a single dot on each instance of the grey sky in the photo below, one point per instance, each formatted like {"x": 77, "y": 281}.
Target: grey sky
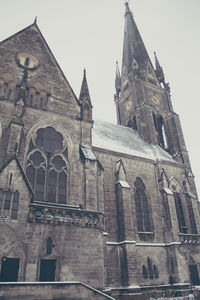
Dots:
{"x": 89, "y": 34}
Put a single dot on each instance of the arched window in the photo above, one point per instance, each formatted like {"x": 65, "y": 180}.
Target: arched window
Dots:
{"x": 142, "y": 210}
{"x": 180, "y": 213}
{"x": 193, "y": 270}
{"x": 155, "y": 271}
{"x": 46, "y": 166}
{"x": 132, "y": 123}
{"x": 49, "y": 246}
{"x": 150, "y": 267}
{"x": 193, "y": 227}
{"x": 144, "y": 271}
{"x": 160, "y": 130}
{"x": 151, "y": 271}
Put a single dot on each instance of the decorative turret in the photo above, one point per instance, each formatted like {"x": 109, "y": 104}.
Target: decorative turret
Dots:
{"x": 159, "y": 70}
{"x": 84, "y": 98}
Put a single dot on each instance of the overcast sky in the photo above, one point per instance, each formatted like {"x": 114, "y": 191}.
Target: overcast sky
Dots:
{"x": 89, "y": 34}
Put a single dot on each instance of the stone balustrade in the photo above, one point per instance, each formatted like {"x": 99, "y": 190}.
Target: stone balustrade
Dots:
{"x": 47, "y": 213}
{"x": 189, "y": 238}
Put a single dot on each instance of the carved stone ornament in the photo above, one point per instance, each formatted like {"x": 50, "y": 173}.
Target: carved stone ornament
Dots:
{"x": 19, "y": 108}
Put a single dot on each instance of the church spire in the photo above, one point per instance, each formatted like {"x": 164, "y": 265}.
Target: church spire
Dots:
{"x": 133, "y": 48}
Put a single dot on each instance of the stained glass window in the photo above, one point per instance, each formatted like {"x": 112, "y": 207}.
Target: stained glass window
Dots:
{"x": 46, "y": 166}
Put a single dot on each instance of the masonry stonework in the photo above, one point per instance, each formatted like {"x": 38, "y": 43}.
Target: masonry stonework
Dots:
{"x": 88, "y": 209}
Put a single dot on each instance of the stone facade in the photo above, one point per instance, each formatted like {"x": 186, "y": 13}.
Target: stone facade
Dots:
{"x": 110, "y": 206}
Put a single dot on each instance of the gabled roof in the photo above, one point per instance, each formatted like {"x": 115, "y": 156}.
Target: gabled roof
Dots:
{"x": 35, "y": 27}
{"x": 14, "y": 157}
{"x": 124, "y": 140}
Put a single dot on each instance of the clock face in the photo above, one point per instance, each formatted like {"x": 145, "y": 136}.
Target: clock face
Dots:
{"x": 155, "y": 100}
{"x": 27, "y": 60}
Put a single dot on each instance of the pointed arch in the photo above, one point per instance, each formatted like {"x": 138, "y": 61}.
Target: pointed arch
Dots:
{"x": 47, "y": 166}
{"x": 161, "y": 135}
{"x": 10, "y": 248}
{"x": 193, "y": 271}
{"x": 141, "y": 204}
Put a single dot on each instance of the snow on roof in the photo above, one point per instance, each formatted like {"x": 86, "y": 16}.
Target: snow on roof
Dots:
{"x": 123, "y": 139}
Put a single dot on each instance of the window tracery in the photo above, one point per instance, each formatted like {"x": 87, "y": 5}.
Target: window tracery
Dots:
{"x": 141, "y": 203}
{"x": 47, "y": 166}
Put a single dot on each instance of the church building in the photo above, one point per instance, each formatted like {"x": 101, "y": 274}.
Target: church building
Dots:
{"x": 89, "y": 209}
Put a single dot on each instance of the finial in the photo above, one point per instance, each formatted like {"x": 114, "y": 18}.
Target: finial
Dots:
{"x": 84, "y": 72}
{"x": 35, "y": 21}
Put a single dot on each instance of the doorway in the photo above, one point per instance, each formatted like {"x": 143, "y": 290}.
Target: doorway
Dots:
{"x": 47, "y": 269}
{"x": 9, "y": 269}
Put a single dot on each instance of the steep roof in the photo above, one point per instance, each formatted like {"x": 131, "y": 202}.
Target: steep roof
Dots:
{"x": 31, "y": 39}
{"x": 133, "y": 44}
{"x": 124, "y": 140}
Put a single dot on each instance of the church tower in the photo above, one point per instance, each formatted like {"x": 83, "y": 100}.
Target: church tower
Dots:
{"x": 143, "y": 97}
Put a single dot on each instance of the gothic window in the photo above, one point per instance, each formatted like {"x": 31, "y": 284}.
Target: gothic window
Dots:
{"x": 180, "y": 213}
{"x": 150, "y": 271}
{"x": 9, "y": 201}
{"x": 132, "y": 123}
{"x": 145, "y": 271}
{"x": 193, "y": 227}
{"x": 141, "y": 203}
{"x": 31, "y": 96}
{"x": 160, "y": 130}
{"x": 172, "y": 269}
{"x": 150, "y": 267}
{"x": 193, "y": 271}
{"x": 47, "y": 167}
{"x": 155, "y": 271}
{"x": 49, "y": 245}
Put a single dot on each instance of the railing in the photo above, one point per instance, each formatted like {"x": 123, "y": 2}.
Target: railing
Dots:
{"x": 66, "y": 215}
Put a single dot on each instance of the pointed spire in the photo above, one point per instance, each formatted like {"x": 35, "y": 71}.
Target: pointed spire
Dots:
{"x": 35, "y": 21}
{"x": 84, "y": 93}
{"x": 84, "y": 98}
{"x": 133, "y": 45}
{"x": 159, "y": 70}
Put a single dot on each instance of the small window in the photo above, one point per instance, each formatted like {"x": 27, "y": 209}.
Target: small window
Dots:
{"x": 49, "y": 245}
{"x": 9, "y": 202}
{"x": 15, "y": 203}
{"x": 155, "y": 271}
{"x": 144, "y": 271}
